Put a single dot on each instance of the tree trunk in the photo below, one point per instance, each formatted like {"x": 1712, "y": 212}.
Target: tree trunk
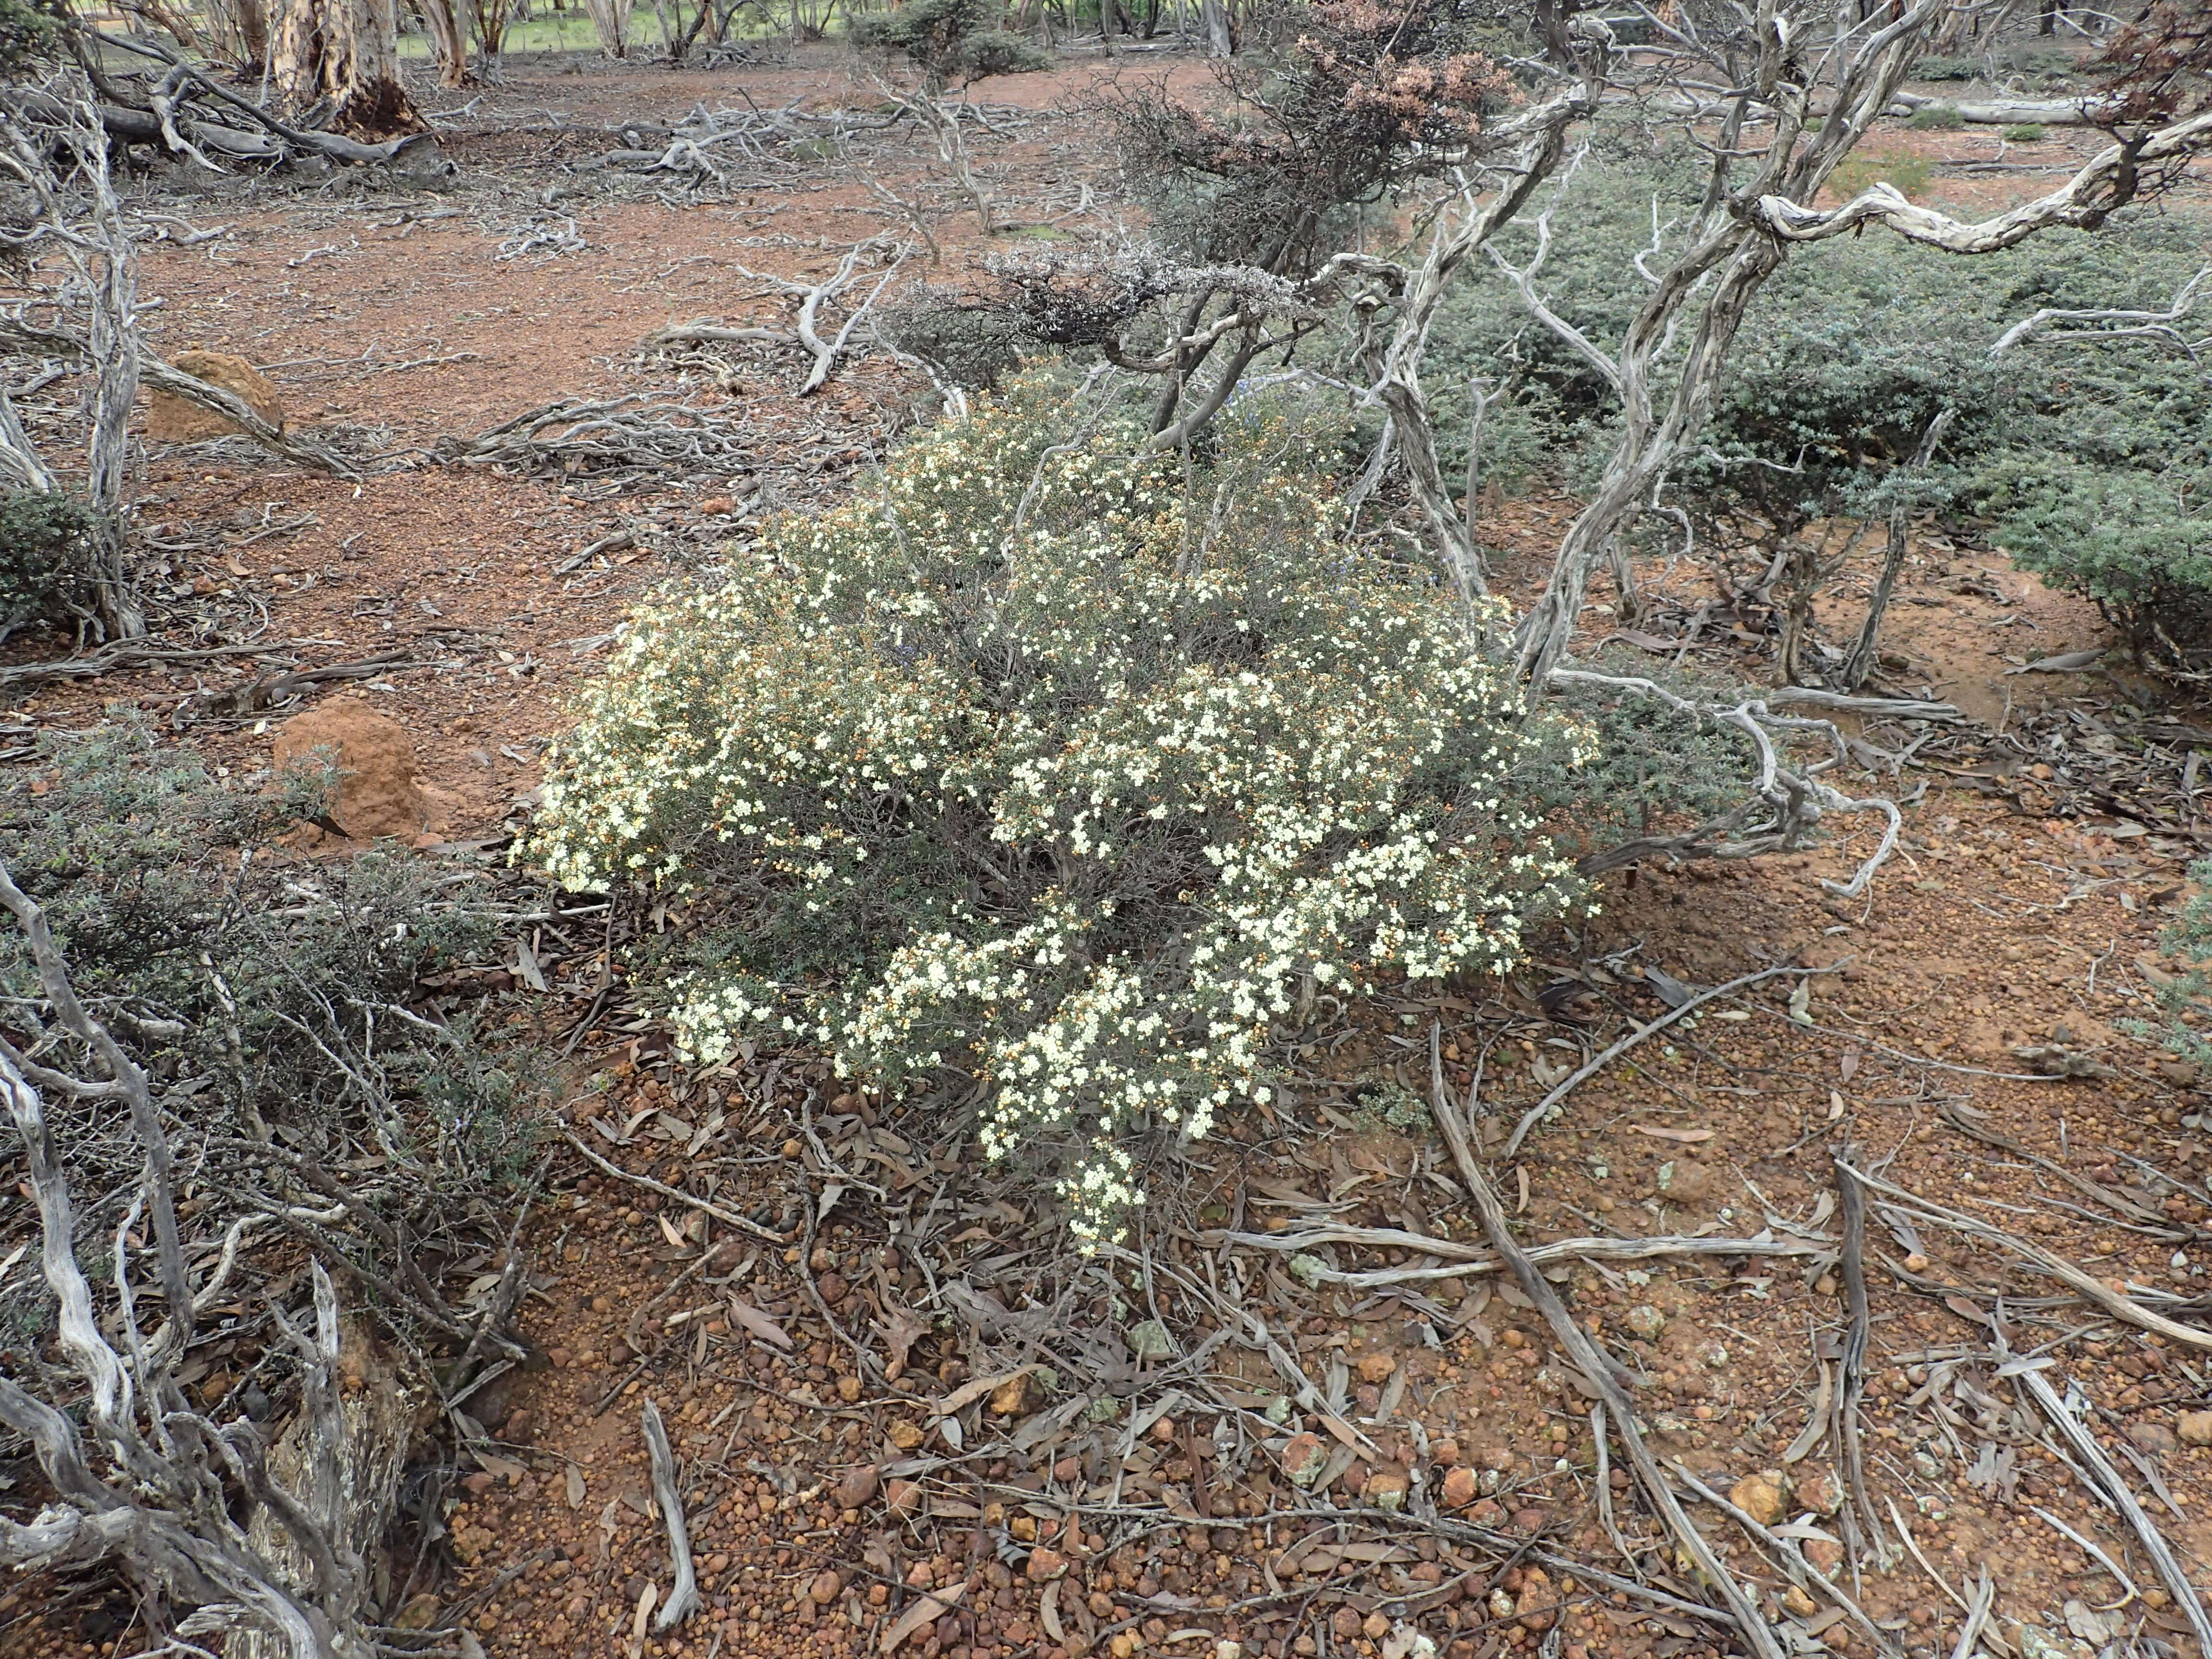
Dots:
{"x": 241, "y": 33}
{"x": 1213, "y": 24}
{"x": 345, "y": 54}
{"x": 449, "y": 39}
{"x": 611, "y": 18}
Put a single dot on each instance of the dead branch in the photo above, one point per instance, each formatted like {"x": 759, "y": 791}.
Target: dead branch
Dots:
{"x": 632, "y": 436}
{"x": 2092, "y": 1289}
{"x": 1603, "y": 1374}
{"x": 116, "y": 659}
{"x": 16, "y": 335}
{"x": 2110, "y": 325}
{"x": 160, "y": 1511}
{"x": 806, "y": 327}
{"x": 1793, "y": 1564}
{"x": 2028, "y": 1375}
{"x": 684, "y": 1594}
{"x": 1786, "y": 803}
{"x": 2109, "y": 182}
{"x": 728, "y": 1217}
{"x": 1461, "y": 1259}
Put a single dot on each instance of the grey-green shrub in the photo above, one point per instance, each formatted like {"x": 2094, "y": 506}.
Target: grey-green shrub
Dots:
{"x": 1065, "y": 765}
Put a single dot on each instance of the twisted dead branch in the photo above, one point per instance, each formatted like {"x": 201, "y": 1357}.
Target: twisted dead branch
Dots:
{"x": 1604, "y": 1375}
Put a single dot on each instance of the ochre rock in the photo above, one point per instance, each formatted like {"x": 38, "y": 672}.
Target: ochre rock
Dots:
{"x": 379, "y": 794}
{"x": 170, "y": 419}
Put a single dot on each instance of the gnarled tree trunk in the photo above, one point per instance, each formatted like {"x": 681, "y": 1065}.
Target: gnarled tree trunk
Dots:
{"x": 343, "y": 55}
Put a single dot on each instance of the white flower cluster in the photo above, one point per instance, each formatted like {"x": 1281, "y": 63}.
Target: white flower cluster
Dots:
{"x": 1075, "y": 806}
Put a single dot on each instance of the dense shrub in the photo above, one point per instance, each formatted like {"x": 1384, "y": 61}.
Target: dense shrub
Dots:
{"x": 2027, "y": 132}
{"x": 1935, "y": 118}
{"x": 1069, "y": 766}
{"x": 951, "y": 40}
{"x": 43, "y": 558}
{"x": 29, "y": 30}
{"x": 2089, "y": 461}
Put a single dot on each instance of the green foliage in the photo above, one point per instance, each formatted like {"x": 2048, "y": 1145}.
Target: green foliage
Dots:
{"x": 29, "y": 31}
{"x": 1067, "y": 765}
{"x": 1935, "y": 118}
{"x": 44, "y": 554}
{"x": 2027, "y": 132}
{"x": 2188, "y": 993}
{"x": 2089, "y": 460}
{"x": 950, "y": 40}
{"x": 2138, "y": 540}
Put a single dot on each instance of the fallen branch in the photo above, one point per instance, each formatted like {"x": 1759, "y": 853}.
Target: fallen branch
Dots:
{"x": 684, "y": 1595}
{"x": 813, "y": 297}
{"x": 2028, "y": 1374}
{"x": 16, "y": 335}
{"x": 1793, "y": 1564}
{"x": 2090, "y": 1288}
{"x": 730, "y": 1218}
{"x": 114, "y": 658}
{"x": 1603, "y": 1374}
{"x": 1461, "y": 1259}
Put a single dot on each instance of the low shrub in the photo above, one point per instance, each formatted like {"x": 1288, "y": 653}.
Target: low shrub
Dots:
{"x": 2188, "y": 993}
{"x": 271, "y": 1000}
{"x": 1935, "y": 118}
{"x": 44, "y": 557}
{"x": 2027, "y": 132}
{"x": 1068, "y": 766}
{"x": 1910, "y": 175}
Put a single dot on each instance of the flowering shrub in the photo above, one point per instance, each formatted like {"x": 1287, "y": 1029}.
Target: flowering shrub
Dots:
{"x": 1067, "y": 765}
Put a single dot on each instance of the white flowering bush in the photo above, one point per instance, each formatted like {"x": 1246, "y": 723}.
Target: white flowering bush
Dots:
{"x": 1066, "y": 766}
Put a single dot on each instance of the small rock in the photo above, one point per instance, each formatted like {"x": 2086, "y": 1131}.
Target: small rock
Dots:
{"x": 1795, "y": 1600}
{"x": 1530, "y": 1521}
{"x": 849, "y": 1387}
{"x": 1825, "y": 1555}
{"x": 718, "y": 505}
{"x": 1764, "y": 1497}
{"x": 904, "y": 1435}
{"x": 903, "y": 1497}
{"x": 1645, "y": 1321}
{"x": 1345, "y": 1623}
{"x": 1304, "y": 1460}
{"x": 2195, "y": 1428}
{"x": 825, "y": 1588}
{"x": 1459, "y": 1488}
{"x": 1538, "y": 1605}
{"x": 170, "y": 419}
{"x": 1011, "y": 1397}
{"x": 477, "y": 1485}
{"x": 2154, "y": 1437}
{"x": 1821, "y": 1492}
{"x": 1386, "y": 1488}
{"x": 1487, "y": 1513}
{"x": 1374, "y": 1627}
{"x": 858, "y": 1488}
{"x": 1376, "y": 1367}
{"x": 1046, "y": 1563}
{"x": 1687, "y": 1181}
